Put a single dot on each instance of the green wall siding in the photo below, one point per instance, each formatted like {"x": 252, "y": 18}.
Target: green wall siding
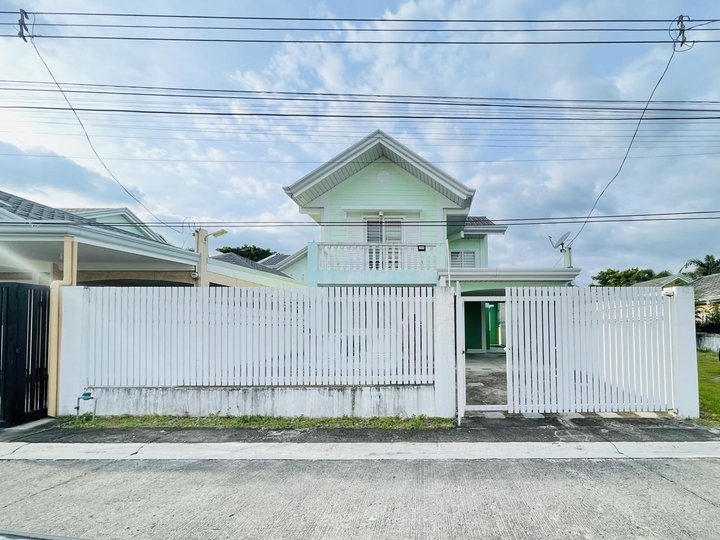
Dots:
{"x": 382, "y": 185}
{"x": 473, "y": 325}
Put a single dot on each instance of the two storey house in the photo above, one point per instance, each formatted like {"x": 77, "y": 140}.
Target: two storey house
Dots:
{"x": 389, "y": 217}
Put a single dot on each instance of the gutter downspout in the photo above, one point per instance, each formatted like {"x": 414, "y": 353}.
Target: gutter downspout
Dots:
{"x": 70, "y": 251}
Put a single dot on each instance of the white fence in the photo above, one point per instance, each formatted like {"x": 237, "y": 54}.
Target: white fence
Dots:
{"x": 600, "y": 349}
{"x": 282, "y": 343}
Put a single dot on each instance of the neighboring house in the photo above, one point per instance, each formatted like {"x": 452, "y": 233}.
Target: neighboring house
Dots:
{"x": 676, "y": 280}
{"x": 239, "y": 260}
{"x": 273, "y": 260}
{"x": 40, "y": 244}
{"x": 707, "y": 289}
{"x": 389, "y": 217}
{"x": 119, "y": 218}
{"x": 707, "y": 296}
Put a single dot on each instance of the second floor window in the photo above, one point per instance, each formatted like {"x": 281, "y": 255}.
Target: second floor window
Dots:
{"x": 383, "y": 231}
{"x": 462, "y": 259}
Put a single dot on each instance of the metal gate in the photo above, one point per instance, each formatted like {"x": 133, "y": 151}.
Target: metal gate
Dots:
{"x": 598, "y": 349}
{"x": 24, "y": 318}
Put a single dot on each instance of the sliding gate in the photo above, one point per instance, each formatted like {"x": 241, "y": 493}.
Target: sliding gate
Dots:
{"x": 24, "y": 312}
{"x": 597, "y": 349}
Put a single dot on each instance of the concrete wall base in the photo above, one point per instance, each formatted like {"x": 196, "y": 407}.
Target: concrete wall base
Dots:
{"x": 317, "y": 402}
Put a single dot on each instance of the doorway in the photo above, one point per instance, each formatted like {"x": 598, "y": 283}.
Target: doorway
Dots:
{"x": 485, "y": 367}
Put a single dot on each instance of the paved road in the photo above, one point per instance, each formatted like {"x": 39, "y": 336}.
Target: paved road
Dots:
{"x": 363, "y": 499}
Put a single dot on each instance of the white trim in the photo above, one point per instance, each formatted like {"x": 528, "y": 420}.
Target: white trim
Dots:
{"x": 485, "y": 408}
{"x": 376, "y": 209}
{"x": 236, "y": 271}
{"x": 515, "y": 274}
{"x": 292, "y": 259}
{"x": 99, "y": 237}
{"x": 459, "y": 190}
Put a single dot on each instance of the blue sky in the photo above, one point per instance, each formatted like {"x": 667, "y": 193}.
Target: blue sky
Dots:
{"x": 204, "y": 169}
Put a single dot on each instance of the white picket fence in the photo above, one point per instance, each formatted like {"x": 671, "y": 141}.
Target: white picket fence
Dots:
{"x": 591, "y": 350}
{"x": 262, "y": 339}
{"x": 259, "y": 336}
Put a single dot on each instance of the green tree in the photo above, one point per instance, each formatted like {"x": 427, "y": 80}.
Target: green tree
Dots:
{"x": 704, "y": 267}
{"x": 625, "y": 278}
{"x": 254, "y": 253}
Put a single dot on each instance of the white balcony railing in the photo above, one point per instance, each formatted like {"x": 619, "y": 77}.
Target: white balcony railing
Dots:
{"x": 376, "y": 257}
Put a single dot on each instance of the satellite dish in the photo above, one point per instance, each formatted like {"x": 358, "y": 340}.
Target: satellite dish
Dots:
{"x": 561, "y": 241}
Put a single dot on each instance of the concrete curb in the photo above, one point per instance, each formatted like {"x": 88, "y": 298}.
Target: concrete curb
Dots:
{"x": 360, "y": 451}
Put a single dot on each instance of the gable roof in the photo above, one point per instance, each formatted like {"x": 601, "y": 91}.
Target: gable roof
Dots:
{"x": 94, "y": 213}
{"x": 663, "y": 281}
{"x": 373, "y": 147}
{"x": 15, "y": 208}
{"x": 234, "y": 258}
{"x": 707, "y": 288}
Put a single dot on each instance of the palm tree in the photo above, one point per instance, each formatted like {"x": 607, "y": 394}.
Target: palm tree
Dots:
{"x": 704, "y": 267}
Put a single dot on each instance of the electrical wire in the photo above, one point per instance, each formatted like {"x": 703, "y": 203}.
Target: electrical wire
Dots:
{"x": 341, "y": 19}
{"x": 356, "y": 41}
{"x": 634, "y": 218}
{"x": 302, "y": 114}
{"x": 87, "y": 137}
{"x": 629, "y": 147}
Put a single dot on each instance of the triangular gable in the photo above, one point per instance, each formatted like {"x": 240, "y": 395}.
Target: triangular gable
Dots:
{"x": 373, "y": 147}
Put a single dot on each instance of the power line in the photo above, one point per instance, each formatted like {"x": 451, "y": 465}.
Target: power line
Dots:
{"x": 279, "y": 162}
{"x": 343, "y": 19}
{"x": 90, "y": 143}
{"x": 630, "y": 144}
{"x": 301, "y": 114}
{"x": 357, "y": 41}
{"x": 632, "y": 218}
{"x": 353, "y": 94}
{"x": 490, "y": 103}
{"x": 350, "y": 30}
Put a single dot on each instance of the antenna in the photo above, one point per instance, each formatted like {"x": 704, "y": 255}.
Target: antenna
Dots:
{"x": 566, "y": 249}
{"x": 560, "y": 241}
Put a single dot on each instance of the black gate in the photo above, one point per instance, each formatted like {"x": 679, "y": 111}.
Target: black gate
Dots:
{"x": 24, "y": 315}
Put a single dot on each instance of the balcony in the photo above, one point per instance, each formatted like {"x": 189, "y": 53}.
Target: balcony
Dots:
{"x": 373, "y": 264}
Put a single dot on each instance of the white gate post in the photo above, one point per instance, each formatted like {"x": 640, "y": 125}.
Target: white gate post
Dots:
{"x": 460, "y": 352}
{"x": 684, "y": 355}
{"x": 72, "y": 374}
{"x": 444, "y": 344}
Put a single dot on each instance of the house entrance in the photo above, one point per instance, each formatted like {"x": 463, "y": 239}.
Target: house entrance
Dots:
{"x": 481, "y": 353}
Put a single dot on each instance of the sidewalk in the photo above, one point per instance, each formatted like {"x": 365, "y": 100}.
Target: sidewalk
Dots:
{"x": 478, "y": 437}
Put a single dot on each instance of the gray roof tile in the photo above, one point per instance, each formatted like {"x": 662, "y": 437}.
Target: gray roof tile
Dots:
{"x": 29, "y": 210}
{"x": 478, "y": 221}
{"x": 274, "y": 259}
{"x": 234, "y": 258}
{"x": 707, "y": 288}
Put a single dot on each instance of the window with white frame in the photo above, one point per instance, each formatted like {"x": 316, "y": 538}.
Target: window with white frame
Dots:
{"x": 464, "y": 258}
{"x": 382, "y": 231}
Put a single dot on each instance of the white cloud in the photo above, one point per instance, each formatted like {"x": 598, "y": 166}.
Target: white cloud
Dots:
{"x": 238, "y": 172}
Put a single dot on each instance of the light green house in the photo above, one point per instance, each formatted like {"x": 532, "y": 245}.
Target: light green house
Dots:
{"x": 389, "y": 217}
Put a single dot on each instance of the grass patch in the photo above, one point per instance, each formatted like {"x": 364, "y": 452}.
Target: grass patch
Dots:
{"x": 256, "y": 422}
{"x": 709, "y": 386}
